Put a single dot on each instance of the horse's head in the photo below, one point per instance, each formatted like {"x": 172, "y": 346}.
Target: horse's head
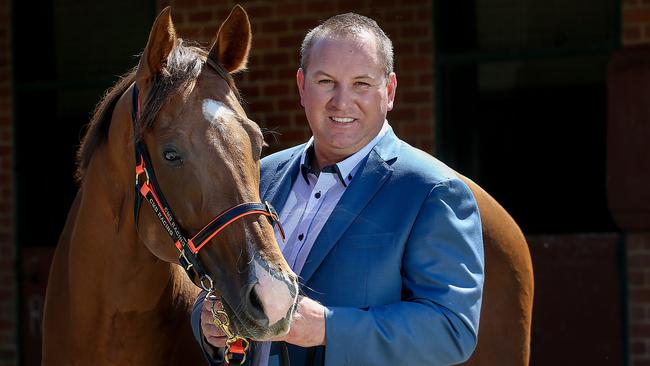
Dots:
{"x": 205, "y": 153}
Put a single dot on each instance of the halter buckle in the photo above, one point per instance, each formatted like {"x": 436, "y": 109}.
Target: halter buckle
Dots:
{"x": 210, "y": 287}
{"x": 186, "y": 264}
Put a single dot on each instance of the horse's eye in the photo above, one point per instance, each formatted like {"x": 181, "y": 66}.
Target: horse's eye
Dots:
{"x": 173, "y": 157}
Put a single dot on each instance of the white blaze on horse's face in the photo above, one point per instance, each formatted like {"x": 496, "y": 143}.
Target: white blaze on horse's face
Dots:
{"x": 214, "y": 110}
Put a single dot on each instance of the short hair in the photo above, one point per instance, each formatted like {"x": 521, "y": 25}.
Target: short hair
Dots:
{"x": 346, "y": 25}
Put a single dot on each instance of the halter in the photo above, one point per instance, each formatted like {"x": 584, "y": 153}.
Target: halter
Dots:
{"x": 146, "y": 187}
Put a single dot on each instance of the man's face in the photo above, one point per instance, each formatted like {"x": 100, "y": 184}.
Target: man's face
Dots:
{"x": 346, "y": 95}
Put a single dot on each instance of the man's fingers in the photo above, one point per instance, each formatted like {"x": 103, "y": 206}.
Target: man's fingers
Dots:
{"x": 212, "y": 333}
{"x": 216, "y": 341}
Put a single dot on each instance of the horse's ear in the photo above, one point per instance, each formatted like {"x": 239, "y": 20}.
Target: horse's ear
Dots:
{"x": 162, "y": 39}
{"x": 233, "y": 41}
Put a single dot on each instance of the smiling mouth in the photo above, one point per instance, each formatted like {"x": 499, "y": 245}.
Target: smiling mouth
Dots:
{"x": 343, "y": 120}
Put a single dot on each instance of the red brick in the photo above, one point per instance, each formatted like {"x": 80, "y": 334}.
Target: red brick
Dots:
{"x": 405, "y": 81}
{"x": 185, "y": 4}
{"x": 292, "y": 41}
{"x": 425, "y": 47}
{"x": 400, "y": 15}
{"x": 277, "y": 58}
{"x": 405, "y": 48}
{"x": 425, "y": 79}
{"x": 259, "y": 11}
{"x": 637, "y": 313}
{"x": 631, "y": 33}
{"x": 200, "y": 16}
{"x": 636, "y": 15}
{"x": 263, "y": 42}
{"x": 319, "y": 6}
{"x": 403, "y": 113}
{"x": 416, "y": 63}
{"x": 639, "y": 261}
{"x": 415, "y": 31}
{"x": 289, "y": 9}
{"x": 274, "y": 26}
{"x": 639, "y": 296}
{"x": 258, "y": 75}
{"x": 275, "y": 89}
{"x": 425, "y": 114}
{"x": 292, "y": 137}
{"x": 636, "y": 278}
{"x": 192, "y": 32}
{"x": 639, "y": 243}
{"x": 288, "y": 104}
{"x": 412, "y": 97}
{"x": 262, "y": 106}
{"x": 420, "y": 129}
{"x": 289, "y": 73}
{"x": 303, "y": 25}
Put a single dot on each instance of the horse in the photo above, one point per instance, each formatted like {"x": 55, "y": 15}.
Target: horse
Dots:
{"x": 116, "y": 293}
{"x": 507, "y": 306}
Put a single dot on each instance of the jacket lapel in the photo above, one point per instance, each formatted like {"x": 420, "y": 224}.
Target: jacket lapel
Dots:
{"x": 364, "y": 186}
{"x": 280, "y": 186}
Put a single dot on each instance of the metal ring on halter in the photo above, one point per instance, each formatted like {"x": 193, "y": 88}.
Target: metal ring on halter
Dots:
{"x": 245, "y": 345}
{"x": 210, "y": 288}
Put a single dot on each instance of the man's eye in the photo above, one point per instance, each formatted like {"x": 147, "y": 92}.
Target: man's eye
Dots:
{"x": 362, "y": 84}
{"x": 325, "y": 81}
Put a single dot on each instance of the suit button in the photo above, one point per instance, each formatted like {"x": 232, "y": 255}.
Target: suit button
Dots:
{"x": 317, "y": 195}
{"x": 300, "y": 237}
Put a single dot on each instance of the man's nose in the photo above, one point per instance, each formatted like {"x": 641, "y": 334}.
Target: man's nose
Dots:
{"x": 340, "y": 99}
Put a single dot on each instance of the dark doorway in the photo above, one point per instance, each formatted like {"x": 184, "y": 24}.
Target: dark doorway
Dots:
{"x": 65, "y": 55}
{"x": 522, "y": 105}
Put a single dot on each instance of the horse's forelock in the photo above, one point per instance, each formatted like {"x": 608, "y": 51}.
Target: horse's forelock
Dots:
{"x": 183, "y": 66}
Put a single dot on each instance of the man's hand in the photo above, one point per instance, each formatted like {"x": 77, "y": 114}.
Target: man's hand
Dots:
{"x": 212, "y": 333}
{"x": 307, "y": 326}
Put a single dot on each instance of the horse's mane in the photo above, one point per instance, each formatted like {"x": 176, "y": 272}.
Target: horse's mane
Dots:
{"x": 183, "y": 66}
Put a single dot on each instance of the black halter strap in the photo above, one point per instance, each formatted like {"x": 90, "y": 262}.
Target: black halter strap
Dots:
{"x": 146, "y": 186}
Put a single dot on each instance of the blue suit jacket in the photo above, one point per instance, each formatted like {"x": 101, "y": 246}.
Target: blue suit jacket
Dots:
{"x": 399, "y": 263}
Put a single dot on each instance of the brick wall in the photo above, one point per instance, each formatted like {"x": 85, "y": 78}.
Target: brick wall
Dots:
{"x": 278, "y": 28}
{"x": 636, "y": 22}
{"x": 635, "y": 33}
{"x": 7, "y": 254}
{"x": 638, "y": 254}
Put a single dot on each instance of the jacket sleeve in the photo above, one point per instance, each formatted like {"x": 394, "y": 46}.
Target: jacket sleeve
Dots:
{"x": 213, "y": 355}
{"x": 436, "y": 322}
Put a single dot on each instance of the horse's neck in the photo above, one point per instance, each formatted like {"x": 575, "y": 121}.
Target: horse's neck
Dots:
{"x": 111, "y": 271}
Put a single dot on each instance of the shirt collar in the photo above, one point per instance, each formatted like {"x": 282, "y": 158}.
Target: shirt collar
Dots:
{"x": 344, "y": 169}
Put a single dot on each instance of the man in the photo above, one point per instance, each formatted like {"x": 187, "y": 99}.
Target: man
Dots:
{"x": 386, "y": 239}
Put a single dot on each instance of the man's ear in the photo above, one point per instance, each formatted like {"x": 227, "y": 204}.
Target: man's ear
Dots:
{"x": 162, "y": 39}
{"x": 233, "y": 41}
{"x": 392, "y": 89}
{"x": 300, "y": 81}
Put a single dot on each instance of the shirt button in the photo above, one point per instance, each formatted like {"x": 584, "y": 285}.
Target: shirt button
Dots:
{"x": 300, "y": 237}
{"x": 317, "y": 195}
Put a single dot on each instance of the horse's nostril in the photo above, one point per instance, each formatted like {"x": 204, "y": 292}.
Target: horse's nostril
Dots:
{"x": 255, "y": 301}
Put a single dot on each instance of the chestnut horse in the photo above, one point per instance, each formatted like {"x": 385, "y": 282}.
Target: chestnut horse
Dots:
{"x": 507, "y": 308}
{"x": 116, "y": 295}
